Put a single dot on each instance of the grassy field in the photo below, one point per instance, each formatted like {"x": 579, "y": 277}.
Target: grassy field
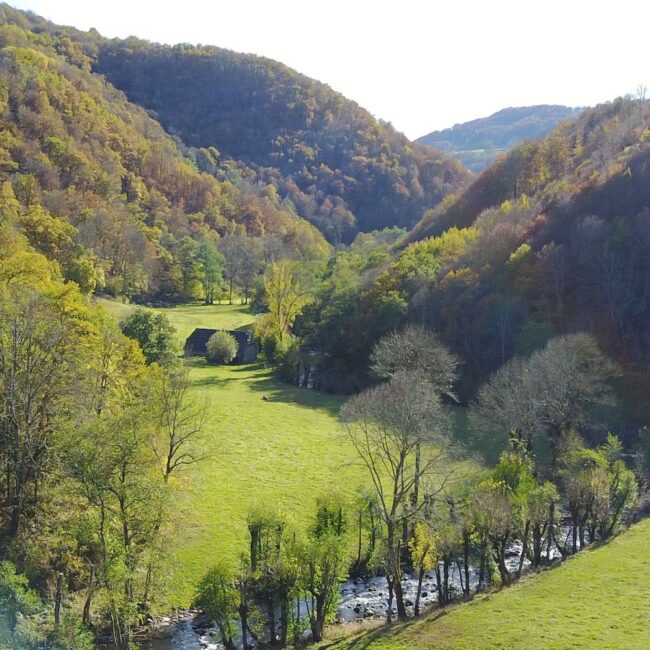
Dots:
{"x": 599, "y": 599}
{"x": 186, "y": 317}
{"x": 282, "y": 451}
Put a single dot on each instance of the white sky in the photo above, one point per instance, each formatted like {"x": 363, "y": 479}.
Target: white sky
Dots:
{"x": 420, "y": 64}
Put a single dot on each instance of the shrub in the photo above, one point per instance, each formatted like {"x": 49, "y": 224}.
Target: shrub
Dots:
{"x": 221, "y": 348}
{"x": 153, "y": 332}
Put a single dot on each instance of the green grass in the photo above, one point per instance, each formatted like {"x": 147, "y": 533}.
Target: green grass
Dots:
{"x": 283, "y": 451}
{"x": 598, "y": 599}
{"x": 187, "y": 317}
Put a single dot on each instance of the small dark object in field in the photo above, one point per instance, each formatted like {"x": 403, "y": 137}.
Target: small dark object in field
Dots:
{"x": 265, "y": 398}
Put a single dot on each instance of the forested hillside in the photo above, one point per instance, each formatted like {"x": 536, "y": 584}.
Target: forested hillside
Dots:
{"x": 97, "y": 185}
{"x": 343, "y": 170}
{"x": 478, "y": 142}
{"x": 552, "y": 238}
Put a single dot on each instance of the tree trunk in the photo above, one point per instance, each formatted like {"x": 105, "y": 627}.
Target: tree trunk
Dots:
{"x": 445, "y": 579}
{"x": 524, "y": 550}
{"x": 271, "y": 623}
{"x": 284, "y": 622}
{"x": 419, "y": 591}
{"x": 58, "y": 598}
{"x": 394, "y": 561}
{"x": 482, "y": 567}
{"x": 550, "y": 531}
{"x": 466, "y": 547}
{"x": 85, "y": 619}
{"x": 399, "y": 600}
{"x": 359, "y": 540}
{"x": 243, "y": 613}
{"x": 500, "y": 558}
{"x": 16, "y": 516}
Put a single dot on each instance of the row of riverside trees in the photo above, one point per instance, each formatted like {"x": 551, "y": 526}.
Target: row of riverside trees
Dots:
{"x": 288, "y": 581}
{"x": 86, "y": 479}
{"x": 426, "y": 508}
{"x": 549, "y": 491}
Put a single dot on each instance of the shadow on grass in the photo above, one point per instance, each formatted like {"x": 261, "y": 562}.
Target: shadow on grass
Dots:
{"x": 213, "y": 381}
{"x": 261, "y": 379}
{"x": 276, "y": 391}
{"x": 383, "y": 632}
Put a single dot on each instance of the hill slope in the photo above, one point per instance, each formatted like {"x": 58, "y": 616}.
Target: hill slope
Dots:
{"x": 98, "y": 185}
{"x": 578, "y": 158}
{"x": 478, "y": 142}
{"x": 598, "y": 599}
{"x": 551, "y": 239}
{"x": 342, "y": 169}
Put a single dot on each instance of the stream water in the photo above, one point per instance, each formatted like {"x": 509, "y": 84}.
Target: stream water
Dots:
{"x": 360, "y": 599}
{"x": 183, "y": 638}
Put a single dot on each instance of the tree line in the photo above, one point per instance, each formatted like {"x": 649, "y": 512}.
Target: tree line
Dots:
{"x": 422, "y": 511}
{"x": 87, "y": 481}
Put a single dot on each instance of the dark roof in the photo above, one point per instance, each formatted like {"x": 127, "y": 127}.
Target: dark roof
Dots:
{"x": 196, "y": 342}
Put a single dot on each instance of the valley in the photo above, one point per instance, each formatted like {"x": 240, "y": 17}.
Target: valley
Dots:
{"x": 273, "y": 375}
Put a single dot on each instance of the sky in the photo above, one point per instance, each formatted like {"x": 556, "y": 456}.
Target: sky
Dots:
{"x": 420, "y": 64}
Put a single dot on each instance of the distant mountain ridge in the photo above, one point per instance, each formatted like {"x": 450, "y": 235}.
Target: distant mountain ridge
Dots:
{"x": 477, "y": 143}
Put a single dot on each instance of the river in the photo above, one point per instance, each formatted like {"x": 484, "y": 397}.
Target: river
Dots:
{"x": 360, "y": 599}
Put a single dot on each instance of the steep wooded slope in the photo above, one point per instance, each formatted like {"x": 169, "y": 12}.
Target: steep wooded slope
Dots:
{"x": 553, "y": 238}
{"x": 560, "y": 238}
{"x": 478, "y": 142}
{"x": 577, "y": 159}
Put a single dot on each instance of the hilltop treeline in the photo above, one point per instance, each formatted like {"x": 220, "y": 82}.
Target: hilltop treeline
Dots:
{"x": 342, "y": 169}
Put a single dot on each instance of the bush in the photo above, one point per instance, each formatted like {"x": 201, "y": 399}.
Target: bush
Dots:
{"x": 153, "y": 332}
{"x": 16, "y": 599}
{"x": 221, "y": 348}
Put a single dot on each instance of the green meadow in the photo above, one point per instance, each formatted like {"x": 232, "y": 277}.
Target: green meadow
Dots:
{"x": 597, "y": 599}
{"x": 187, "y": 317}
{"x": 281, "y": 451}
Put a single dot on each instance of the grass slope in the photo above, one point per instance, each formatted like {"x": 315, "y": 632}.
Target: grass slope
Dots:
{"x": 281, "y": 452}
{"x": 599, "y": 599}
{"x": 185, "y": 318}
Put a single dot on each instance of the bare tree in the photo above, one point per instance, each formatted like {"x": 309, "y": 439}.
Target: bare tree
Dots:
{"x": 415, "y": 349}
{"x": 547, "y": 394}
{"x": 507, "y": 405}
{"x": 387, "y": 425}
{"x": 181, "y": 420}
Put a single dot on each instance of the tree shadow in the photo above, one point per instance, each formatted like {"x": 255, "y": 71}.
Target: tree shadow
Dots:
{"x": 213, "y": 381}
{"x": 366, "y": 639}
{"x": 274, "y": 390}
{"x": 385, "y": 631}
